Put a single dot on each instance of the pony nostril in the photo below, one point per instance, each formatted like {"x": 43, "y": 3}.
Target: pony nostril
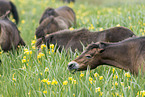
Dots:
{"x": 71, "y": 65}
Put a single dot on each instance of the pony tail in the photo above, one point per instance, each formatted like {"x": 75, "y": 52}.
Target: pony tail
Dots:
{"x": 14, "y": 12}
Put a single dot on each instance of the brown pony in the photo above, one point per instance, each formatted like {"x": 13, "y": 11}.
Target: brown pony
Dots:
{"x": 128, "y": 54}
{"x": 5, "y": 6}
{"x": 53, "y": 20}
{"x": 74, "y": 39}
{"x": 9, "y": 34}
{"x": 68, "y": 1}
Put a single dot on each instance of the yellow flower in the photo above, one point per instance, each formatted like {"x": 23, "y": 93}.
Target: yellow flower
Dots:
{"x": 40, "y": 73}
{"x": 13, "y": 20}
{"x": 25, "y": 49}
{"x": 73, "y": 94}
{"x": 33, "y": 47}
{"x": 98, "y": 89}
{"x": 44, "y": 92}
{"x": 46, "y": 69}
{"x": 30, "y": 52}
{"x": 14, "y": 79}
{"x": 70, "y": 78}
{"x": 81, "y": 75}
{"x": 23, "y": 12}
{"x": 65, "y": 82}
{"x": 127, "y": 74}
{"x": 101, "y": 29}
{"x": 96, "y": 74}
{"x": 44, "y": 80}
{"x": 116, "y": 84}
{"x": 118, "y": 25}
{"x": 48, "y": 82}
{"x": 40, "y": 55}
{"x": 122, "y": 83}
{"x": 33, "y": 42}
{"x": 52, "y": 46}
{"x": 23, "y": 21}
{"x": 71, "y": 28}
{"x": 23, "y": 60}
{"x": 74, "y": 81}
{"x": 129, "y": 18}
{"x": 101, "y": 77}
{"x": 43, "y": 46}
{"x": 90, "y": 79}
{"x": 24, "y": 57}
{"x": 54, "y": 82}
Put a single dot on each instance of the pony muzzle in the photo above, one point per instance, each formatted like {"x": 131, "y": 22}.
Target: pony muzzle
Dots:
{"x": 73, "y": 66}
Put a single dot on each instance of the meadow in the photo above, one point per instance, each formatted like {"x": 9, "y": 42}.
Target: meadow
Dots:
{"x": 28, "y": 74}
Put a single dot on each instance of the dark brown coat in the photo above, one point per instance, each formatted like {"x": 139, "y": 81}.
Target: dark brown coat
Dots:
{"x": 74, "y": 39}
{"x": 128, "y": 54}
{"x": 5, "y": 6}
{"x": 9, "y": 35}
{"x": 53, "y": 20}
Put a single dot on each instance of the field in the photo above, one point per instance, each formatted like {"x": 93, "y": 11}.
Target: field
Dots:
{"x": 28, "y": 74}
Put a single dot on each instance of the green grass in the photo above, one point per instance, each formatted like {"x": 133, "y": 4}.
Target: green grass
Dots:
{"x": 47, "y": 75}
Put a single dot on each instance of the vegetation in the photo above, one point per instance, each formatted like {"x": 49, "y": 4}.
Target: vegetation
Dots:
{"x": 28, "y": 74}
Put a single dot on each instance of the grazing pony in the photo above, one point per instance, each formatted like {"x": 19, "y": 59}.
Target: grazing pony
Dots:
{"x": 53, "y": 20}
{"x": 128, "y": 54}
{"x": 5, "y": 6}
{"x": 9, "y": 34}
{"x": 68, "y": 1}
{"x": 74, "y": 39}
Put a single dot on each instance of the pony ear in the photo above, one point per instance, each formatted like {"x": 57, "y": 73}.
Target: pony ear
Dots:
{"x": 101, "y": 47}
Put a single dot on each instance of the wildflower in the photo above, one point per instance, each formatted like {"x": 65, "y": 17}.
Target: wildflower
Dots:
{"x": 74, "y": 81}
{"x": 116, "y": 84}
{"x": 1, "y": 52}
{"x": 48, "y": 82}
{"x": 25, "y": 49}
{"x": 65, "y": 82}
{"x": 44, "y": 80}
{"x": 113, "y": 70}
{"x": 129, "y": 18}
{"x": 43, "y": 46}
{"x": 24, "y": 57}
{"x": 96, "y": 74}
{"x": 143, "y": 24}
{"x": 122, "y": 83}
{"x": 33, "y": 42}
{"x": 73, "y": 94}
{"x": 40, "y": 55}
{"x": 115, "y": 76}
{"x": 101, "y": 29}
{"x": 23, "y": 12}
{"x": 13, "y": 20}
{"x": 44, "y": 92}
{"x": 33, "y": 47}
{"x": 23, "y": 21}
{"x": 70, "y": 78}
{"x": 90, "y": 79}
{"x": 128, "y": 87}
{"x": 98, "y": 89}
{"x": 23, "y": 60}
{"x": 71, "y": 28}
{"x": 52, "y": 46}
{"x": 54, "y": 82}
{"x": 82, "y": 74}
{"x": 14, "y": 79}
{"x": 118, "y": 25}
{"x": 101, "y": 77}
{"x": 127, "y": 74}
{"x": 40, "y": 73}
{"x": 46, "y": 69}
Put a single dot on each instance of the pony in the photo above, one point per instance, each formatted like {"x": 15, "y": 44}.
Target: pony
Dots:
{"x": 53, "y": 20}
{"x": 6, "y": 6}
{"x": 75, "y": 38}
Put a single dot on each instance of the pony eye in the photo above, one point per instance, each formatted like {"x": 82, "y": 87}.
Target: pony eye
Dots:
{"x": 88, "y": 57}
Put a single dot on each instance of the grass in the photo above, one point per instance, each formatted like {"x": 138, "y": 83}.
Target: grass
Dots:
{"x": 23, "y": 74}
